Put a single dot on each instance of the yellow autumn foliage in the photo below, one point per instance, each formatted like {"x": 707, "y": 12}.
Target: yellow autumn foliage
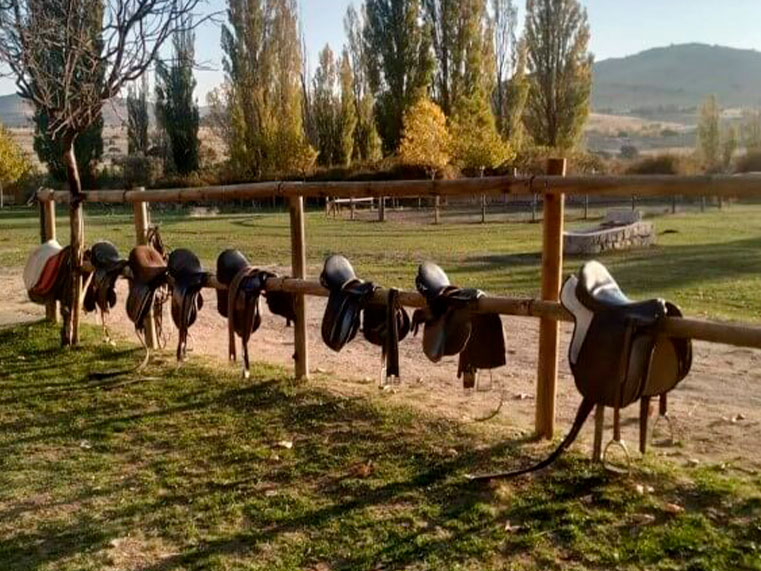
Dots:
{"x": 426, "y": 141}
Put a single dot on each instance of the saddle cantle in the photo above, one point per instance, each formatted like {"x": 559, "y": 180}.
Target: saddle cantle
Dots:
{"x": 452, "y": 327}
{"x": 617, "y": 355}
{"x": 148, "y": 271}
{"x": 188, "y": 279}
{"x": 240, "y": 303}
{"x": 108, "y": 266}
{"x": 350, "y": 304}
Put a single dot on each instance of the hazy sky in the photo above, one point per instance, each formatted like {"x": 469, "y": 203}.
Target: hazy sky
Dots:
{"x": 619, "y": 28}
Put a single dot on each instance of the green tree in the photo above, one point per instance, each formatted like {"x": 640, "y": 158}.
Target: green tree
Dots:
{"x": 477, "y": 145}
{"x": 559, "y": 71}
{"x": 138, "y": 119}
{"x": 515, "y": 96}
{"x": 13, "y": 163}
{"x": 709, "y": 135}
{"x": 176, "y": 110}
{"x": 426, "y": 141}
{"x": 367, "y": 143}
{"x": 326, "y": 110}
{"x": 348, "y": 117}
{"x": 264, "y": 101}
{"x": 399, "y": 62}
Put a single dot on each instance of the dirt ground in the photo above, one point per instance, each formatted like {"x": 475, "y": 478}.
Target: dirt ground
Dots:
{"x": 716, "y": 411}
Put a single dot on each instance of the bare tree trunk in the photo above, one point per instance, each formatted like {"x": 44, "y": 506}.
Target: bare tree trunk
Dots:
{"x": 70, "y": 333}
{"x": 2, "y": 196}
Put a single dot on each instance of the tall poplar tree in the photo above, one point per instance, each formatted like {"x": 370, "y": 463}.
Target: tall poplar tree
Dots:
{"x": 399, "y": 62}
{"x": 326, "y": 109}
{"x": 559, "y": 71}
{"x": 367, "y": 142}
{"x": 138, "y": 119}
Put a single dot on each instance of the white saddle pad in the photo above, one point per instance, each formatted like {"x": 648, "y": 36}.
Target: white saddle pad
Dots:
{"x": 35, "y": 264}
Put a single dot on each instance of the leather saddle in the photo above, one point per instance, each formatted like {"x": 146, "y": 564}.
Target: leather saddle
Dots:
{"x": 148, "y": 274}
{"x": 452, "y": 327}
{"x": 350, "y": 304}
{"x": 46, "y": 273}
{"x": 108, "y": 266}
{"x": 188, "y": 279}
{"x": 617, "y": 355}
{"x": 240, "y": 303}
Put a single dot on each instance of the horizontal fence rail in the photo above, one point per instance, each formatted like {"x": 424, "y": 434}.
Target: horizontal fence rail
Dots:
{"x": 740, "y": 186}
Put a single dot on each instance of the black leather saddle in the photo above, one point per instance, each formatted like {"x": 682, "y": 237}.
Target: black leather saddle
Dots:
{"x": 188, "y": 279}
{"x": 616, "y": 354}
{"x": 108, "y": 267}
{"x": 148, "y": 274}
{"x": 240, "y": 303}
{"x": 350, "y": 303}
{"x": 452, "y": 327}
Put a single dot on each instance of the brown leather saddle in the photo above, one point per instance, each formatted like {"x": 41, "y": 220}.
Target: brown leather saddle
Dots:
{"x": 108, "y": 267}
{"x": 188, "y": 279}
{"x": 350, "y": 303}
{"x": 148, "y": 275}
{"x": 240, "y": 303}
{"x": 617, "y": 355}
{"x": 453, "y": 327}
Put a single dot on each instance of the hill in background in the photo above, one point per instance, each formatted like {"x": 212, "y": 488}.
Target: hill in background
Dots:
{"x": 677, "y": 77}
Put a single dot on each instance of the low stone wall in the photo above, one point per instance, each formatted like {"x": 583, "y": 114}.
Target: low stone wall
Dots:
{"x": 597, "y": 240}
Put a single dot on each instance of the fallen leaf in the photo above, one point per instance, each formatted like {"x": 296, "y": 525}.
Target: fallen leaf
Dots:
{"x": 287, "y": 444}
{"x": 643, "y": 519}
{"x": 673, "y": 509}
{"x": 362, "y": 470}
{"x": 85, "y": 444}
{"x": 693, "y": 462}
{"x": 509, "y": 528}
{"x": 270, "y": 493}
{"x": 640, "y": 489}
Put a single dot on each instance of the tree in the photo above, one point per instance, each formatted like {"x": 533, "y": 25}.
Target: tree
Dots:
{"x": 176, "y": 110}
{"x": 709, "y": 135}
{"x": 507, "y": 61}
{"x": 348, "y": 117}
{"x": 751, "y": 130}
{"x": 367, "y": 142}
{"x": 399, "y": 63}
{"x": 728, "y": 147}
{"x": 88, "y": 146}
{"x": 138, "y": 119}
{"x": 477, "y": 144}
{"x": 426, "y": 141}
{"x": 326, "y": 109}
{"x": 559, "y": 71}
{"x": 511, "y": 111}
{"x": 13, "y": 163}
{"x": 264, "y": 100}
{"x": 68, "y": 89}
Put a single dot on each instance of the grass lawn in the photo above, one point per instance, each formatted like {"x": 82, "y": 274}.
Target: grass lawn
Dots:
{"x": 709, "y": 263}
{"x": 194, "y": 470}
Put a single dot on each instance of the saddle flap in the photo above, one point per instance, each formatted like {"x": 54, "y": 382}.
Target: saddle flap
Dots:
{"x": 486, "y": 348}
{"x": 337, "y": 273}
{"x": 283, "y": 304}
{"x": 671, "y": 362}
{"x": 375, "y": 322}
{"x": 447, "y": 334}
{"x": 147, "y": 265}
{"x": 340, "y": 322}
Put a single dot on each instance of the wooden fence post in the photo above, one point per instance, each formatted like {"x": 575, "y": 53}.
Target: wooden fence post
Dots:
{"x": 142, "y": 223}
{"x": 382, "y": 209}
{"x": 299, "y": 263}
{"x": 599, "y": 429}
{"x": 437, "y": 210}
{"x": 483, "y": 209}
{"x": 549, "y": 330}
{"x": 353, "y": 209}
{"x": 48, "y": 232}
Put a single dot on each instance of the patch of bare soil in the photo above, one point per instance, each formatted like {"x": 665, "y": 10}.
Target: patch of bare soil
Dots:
{"x": 716, "y": 411}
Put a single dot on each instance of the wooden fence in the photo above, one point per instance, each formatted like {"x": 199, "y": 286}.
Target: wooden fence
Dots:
{"x": 553, "y": 187}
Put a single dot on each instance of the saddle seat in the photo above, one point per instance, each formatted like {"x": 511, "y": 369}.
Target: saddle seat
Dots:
{"x": 599, "y": 292}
